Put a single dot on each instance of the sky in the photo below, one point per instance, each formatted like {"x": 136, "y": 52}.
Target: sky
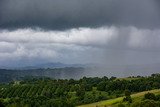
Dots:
{"x": 107, "y": 32}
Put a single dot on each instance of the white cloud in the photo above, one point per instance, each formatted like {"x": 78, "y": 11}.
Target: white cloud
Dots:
{"x": 81, "y": 36}
{"x": 6, "y": 47}
{"x": 110, "y": 45}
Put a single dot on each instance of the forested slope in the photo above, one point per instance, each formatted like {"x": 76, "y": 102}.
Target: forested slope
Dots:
{"x": 38, "y": 92}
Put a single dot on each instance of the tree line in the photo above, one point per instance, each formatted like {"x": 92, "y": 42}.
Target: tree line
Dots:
{"x": 47, "y": 92}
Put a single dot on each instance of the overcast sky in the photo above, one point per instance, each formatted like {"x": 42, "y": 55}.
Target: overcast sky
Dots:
{"x": 111, "y": 32}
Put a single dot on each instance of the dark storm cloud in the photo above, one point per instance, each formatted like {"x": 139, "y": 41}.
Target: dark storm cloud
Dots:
{"x": 61, "y": 14}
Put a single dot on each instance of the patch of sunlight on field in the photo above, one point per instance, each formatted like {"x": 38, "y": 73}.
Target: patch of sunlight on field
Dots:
{"x": 113, "y": 102}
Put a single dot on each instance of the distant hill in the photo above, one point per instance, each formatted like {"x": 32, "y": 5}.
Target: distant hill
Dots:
{"x": 57, "y": 73}
{"x": 76, "y": 71}
{"x": 54, "y": 65}
{"x": 44, "y": 65}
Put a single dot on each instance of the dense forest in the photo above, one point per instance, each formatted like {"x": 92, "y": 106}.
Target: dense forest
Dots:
{"x": 47, "y": 92}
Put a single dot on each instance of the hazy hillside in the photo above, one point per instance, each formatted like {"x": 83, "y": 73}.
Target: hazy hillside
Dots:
{"x": 58, "y": 73}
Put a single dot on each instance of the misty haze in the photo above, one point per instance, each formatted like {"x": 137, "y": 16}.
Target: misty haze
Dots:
{"x": 79, "y": 43}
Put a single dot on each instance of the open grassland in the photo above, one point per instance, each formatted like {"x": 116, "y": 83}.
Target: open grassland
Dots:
{"x": 114, "y": 102}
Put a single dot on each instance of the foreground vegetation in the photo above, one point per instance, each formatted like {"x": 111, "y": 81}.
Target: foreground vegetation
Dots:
{"x": 47, "y": 92}
{"x": 118, "y": 102}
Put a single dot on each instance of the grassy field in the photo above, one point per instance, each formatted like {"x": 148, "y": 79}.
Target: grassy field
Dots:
{"x": 114, "y": 102}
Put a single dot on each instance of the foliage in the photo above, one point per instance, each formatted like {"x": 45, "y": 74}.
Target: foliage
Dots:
{"x": 150, "y": 96}
{"x": 42, "y": 91}
{"x": 127, "y": 93}
{"x": 121, "y": 105}
{"x": 146, "y": 103}
{"x": 127, "y": 96}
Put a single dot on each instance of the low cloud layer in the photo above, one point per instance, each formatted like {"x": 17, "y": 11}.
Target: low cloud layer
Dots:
{"x": 112, "y": 33}
{"x": 66, "y": 14}
{"x": 103, "y": 45}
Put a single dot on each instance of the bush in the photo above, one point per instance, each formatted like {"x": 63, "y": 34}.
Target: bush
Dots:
{"x": 158, "y": 97}
{"x": 121, "y": 105}
{"x": 128, "y": 98}
{"x": 1, "y": 103}
{"x": 136, "y": 104}
{"x": 127, "y": 93}
{"x": 150, "y": 96}
{"x": 146, "y": 103}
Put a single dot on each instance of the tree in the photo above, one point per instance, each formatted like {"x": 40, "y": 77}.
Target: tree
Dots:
{"x": 150, "y": 96}
{"x": 59, "y": 91}
{"x": 112, "y": 78}
{"x": 127, "y": 96}
{"x": 127, "y": 93}
{"x": 1, "y": 103}
{"x": 80, "y": 92}
{"x": 101, "y": 86}
{"x": 158, "y": 97}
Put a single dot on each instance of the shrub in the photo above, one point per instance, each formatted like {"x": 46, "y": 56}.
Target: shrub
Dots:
{"x": 121, "y": 105}
{"x": 150, "y": 96}
{"x": 128, "y": 98}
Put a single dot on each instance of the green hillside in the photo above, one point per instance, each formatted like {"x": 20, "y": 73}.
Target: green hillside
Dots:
{"x": 114, "y": 102}
{"x": 47, "y": 92}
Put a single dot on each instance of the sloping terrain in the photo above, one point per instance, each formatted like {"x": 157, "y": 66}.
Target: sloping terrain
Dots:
{"x": 114, "y": 102}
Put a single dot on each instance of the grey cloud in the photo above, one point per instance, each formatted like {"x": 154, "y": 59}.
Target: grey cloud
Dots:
{"x": 6, "y": 47}
{"x": 109, "y": 45}
{"x": 65, "y": 14}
